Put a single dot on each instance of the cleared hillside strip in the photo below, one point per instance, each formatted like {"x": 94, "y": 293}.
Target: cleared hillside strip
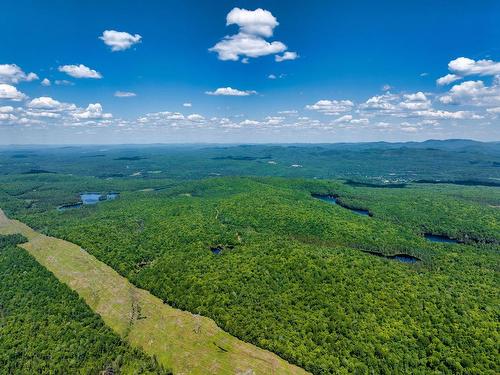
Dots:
{"x": 186, "y": 343}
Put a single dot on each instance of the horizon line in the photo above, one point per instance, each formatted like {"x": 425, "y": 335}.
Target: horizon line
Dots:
{"x": 238, "y": 143}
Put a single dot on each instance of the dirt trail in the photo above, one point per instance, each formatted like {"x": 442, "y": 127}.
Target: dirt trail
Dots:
{"x": 183, "y": 342}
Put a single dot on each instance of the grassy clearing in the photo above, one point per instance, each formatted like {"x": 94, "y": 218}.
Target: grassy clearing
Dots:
{"x": 186, "y": 343}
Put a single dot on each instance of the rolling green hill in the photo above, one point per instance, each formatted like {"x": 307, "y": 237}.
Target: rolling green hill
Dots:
{"x": 296, "y": 275}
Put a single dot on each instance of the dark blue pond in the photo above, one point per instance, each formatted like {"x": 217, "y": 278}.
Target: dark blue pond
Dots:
{"x": 404, "y": 258}
{"x": 327, "y": 198}
{"x": 219, "y": 248}
{"x": 89, "y": 199}
{"x": 359, "y": 212}
{"x": 216, "y": 250}
{"x": 438, "y": 238}
{"x": 333, "y": 200}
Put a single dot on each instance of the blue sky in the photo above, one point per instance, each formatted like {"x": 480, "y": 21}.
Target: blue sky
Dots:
{"x": 301, "y": 71}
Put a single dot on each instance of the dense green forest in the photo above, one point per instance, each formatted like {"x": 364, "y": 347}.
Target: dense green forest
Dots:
{"x": 275, "y": 266}
{"x": 45, "y": 328}
{"x": 293, "y": 275}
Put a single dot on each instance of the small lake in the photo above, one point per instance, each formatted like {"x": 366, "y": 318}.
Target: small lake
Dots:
{"x": 403, "y": 258}
{"x": 216, "y": 250}
{"x": 219, "y": 248}
{"x": 89, "y": 199}
{"x": 333, "y": 200}
{"x": 439, "y": 238}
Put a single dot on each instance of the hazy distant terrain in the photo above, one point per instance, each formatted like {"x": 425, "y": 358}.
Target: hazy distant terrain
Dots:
{"x": 455, "y": 160}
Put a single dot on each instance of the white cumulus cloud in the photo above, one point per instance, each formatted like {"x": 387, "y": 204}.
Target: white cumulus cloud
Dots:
{"x": 258, "y": 21}
{"x": 80, "y": 71}
{"x": 46, "y": 114}
{"x": 447, "y": 79}
{"x": 10, "y": 92}
{"x": 119, "y": 40}
{"x": 274, "y": 120}
{"x": 196, "y": 117}
{"x": 343, "y": 119}
{"x": 362, "y": 121}
{"x": 11, "y": 73}
{"x": 254, "y": 27}
{"x": 232, "y": 47}
{"x": 93, "y": 111}
{"x": 174, "y": 116}
{"x": 229, "y": 91}
{"x": 248, "y": 122}
{"x": 473, "y": 93}
{"x": 439, "y": 114}
{"x": 286, "y": 56}
{"x": 6, "y": 109}
{"x": 416, "y": 101}
{"x": 464, "y": 66}
{"x": 331, "y": 107}
{"x": 48, "y": 103}
{"x": 385, "y": 102}
{"x": 494, "y": 110}
{"x": 7, "y": 117}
